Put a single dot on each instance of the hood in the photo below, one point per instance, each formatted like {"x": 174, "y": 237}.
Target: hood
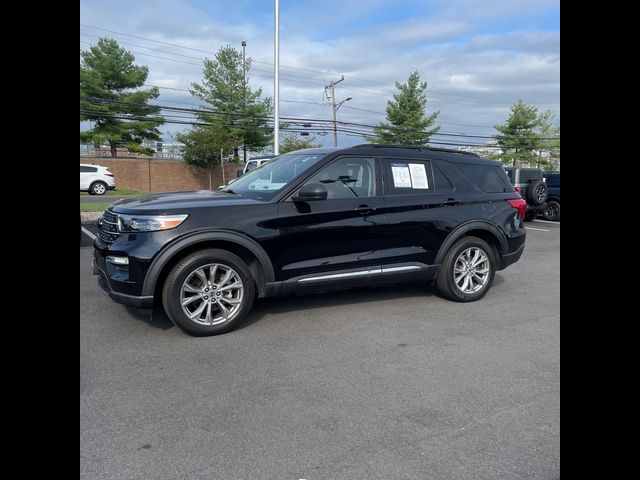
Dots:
{"x": 175, "y": 202}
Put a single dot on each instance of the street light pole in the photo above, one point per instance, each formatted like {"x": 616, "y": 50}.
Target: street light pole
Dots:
{"x": 244, "y": 98}
{"x": 276, "y": 79}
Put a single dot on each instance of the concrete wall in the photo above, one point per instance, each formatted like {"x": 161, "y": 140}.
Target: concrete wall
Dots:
{"x": 149, "y": 175}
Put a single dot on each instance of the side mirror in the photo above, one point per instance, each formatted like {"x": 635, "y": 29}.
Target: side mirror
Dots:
{"x": 310, "y": 193}
{"x": 239, "y": 173}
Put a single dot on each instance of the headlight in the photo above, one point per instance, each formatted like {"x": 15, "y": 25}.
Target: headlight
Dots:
{"x": 148, "y": 223}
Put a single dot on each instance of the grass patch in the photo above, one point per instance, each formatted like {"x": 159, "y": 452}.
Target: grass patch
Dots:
{"x": 93, "y": 207}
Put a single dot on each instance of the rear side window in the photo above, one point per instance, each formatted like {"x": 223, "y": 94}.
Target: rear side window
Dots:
{"x": 408, "y": 177}
{"x": 487, "y": 178}
{"x": 88, "y": 169}
{"x": 528, "y": 175}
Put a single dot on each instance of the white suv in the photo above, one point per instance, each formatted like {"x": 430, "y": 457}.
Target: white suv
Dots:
{"x": 96, "y": 179}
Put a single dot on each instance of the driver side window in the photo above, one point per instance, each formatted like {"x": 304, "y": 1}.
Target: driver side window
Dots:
{"x": 348, "y": 177}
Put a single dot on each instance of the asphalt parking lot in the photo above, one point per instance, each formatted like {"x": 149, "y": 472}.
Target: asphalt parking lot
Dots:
{"x": 378, "y": 383}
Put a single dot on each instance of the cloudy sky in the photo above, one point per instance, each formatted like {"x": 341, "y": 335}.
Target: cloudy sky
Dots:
{"x": 477, "y": 56}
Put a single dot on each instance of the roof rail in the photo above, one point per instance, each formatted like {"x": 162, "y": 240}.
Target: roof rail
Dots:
{"x": 413, "y": 147}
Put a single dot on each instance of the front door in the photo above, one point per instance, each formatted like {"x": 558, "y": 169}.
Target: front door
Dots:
{"x": 336, "y": 238}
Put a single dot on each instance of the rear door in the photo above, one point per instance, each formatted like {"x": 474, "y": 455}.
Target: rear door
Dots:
{"x": 419, "y": 210}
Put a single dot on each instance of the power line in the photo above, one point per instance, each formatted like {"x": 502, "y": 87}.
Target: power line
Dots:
{"x": 202, "y": 111}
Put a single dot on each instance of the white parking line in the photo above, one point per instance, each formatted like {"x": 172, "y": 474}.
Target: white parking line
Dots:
{"x": 546, "y": 221}
{"x": 537, "y": 229}
{"x": 91, "y": 235}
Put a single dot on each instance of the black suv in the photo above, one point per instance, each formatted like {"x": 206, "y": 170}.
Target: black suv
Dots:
{"x": 316, "y": 219}
{"x": 529, "y": 182}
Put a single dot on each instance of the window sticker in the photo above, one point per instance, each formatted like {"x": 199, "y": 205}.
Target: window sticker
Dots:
{"x": 401, "y": 176}
{"x": 418, "y": 175}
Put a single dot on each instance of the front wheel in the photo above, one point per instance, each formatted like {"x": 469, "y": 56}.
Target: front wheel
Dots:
{"x": 467, "y": 271}
{"x": 209, "y": 292}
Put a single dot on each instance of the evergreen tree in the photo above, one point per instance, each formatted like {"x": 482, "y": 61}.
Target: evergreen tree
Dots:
{"x": 407, "y": 122}
{"x": 225, "y": 90}
{"x": 518, "y": 138}
{"x": 120, "y": 116}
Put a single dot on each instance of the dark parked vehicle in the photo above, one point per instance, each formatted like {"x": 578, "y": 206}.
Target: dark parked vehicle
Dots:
{"x": 316, "y": 219}
{"x": 552, "y": 209}
{"x": 529, "y": 182}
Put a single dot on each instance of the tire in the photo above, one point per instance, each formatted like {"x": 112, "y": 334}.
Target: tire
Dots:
{"x": 460, "y": 252}
{"x": 183, "y": 282}
{"x": 537, "y": 193}
{"x": 98, "y": 188}
{"x": 552, "y": 211}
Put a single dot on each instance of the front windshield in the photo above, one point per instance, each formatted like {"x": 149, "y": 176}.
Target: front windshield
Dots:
{"x": 265, "y": 181}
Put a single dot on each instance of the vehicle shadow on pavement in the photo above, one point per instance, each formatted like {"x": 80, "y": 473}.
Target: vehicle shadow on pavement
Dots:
{"x": 332, "y": 298}
{"x": 158, "y": 319}
{"x": 311, "y": 301}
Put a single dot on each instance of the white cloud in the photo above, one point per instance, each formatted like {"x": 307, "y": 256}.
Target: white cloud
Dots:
{"x": 473, "y": 75}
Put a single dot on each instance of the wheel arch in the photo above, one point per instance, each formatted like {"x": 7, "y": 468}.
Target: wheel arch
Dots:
{"x": 488, "y": 232}
{"x": 247, "y": 249}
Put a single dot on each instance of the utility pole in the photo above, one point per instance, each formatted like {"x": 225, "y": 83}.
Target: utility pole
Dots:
{"x": 334, "y": 106}
{"x": 244, "y": 98}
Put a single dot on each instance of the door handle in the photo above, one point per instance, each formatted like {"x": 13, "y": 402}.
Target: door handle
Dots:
{"x": 364, "y": 209}
{"x": 451, "y": 201}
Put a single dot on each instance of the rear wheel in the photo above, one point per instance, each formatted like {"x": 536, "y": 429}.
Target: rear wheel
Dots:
{"x": 552, "y": 211}
{"x": 468, "y": 270}
{"x": 209, "y": 292}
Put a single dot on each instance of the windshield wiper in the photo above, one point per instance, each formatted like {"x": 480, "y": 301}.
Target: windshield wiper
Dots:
{"x": 228, "y": 190}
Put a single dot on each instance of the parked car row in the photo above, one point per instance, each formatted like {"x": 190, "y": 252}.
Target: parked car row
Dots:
{"x": 541, "y": 191}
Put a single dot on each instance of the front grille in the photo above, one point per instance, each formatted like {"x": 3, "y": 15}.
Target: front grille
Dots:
{"x": 108, "y": 227}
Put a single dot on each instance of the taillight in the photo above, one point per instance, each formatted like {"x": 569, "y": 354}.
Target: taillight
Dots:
{"x": 519, "y": 204}
{"x": 109, "y": 174}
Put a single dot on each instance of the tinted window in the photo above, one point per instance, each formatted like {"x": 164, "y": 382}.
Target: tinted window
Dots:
{"x": 88, "y": 169}
{"x": 440, "y": 181}
{"x": 348, "y": 177}
{"x": 527, "y": 175}
{"x": 408, "y": 177}
{"x": 487, "y": 178}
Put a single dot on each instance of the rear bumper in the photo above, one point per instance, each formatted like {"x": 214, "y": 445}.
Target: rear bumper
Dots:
{"x": 511, "y": 258}
{"x": 111, "y": 187}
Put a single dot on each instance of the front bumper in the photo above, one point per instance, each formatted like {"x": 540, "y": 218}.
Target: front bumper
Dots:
{"x": 99, "y": 267}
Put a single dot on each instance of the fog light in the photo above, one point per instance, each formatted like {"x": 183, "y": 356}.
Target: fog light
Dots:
{"x": 118, "y": 260}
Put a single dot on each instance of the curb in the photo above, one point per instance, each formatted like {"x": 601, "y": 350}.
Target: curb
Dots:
{"x": 89, "y": 217}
